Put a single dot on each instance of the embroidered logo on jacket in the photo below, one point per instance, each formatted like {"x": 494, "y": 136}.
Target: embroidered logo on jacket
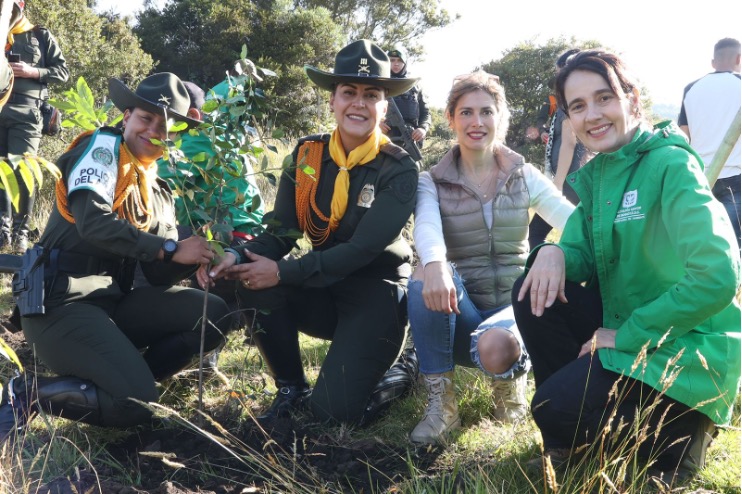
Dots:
{"x": 629, "y": 210}
{"x": 97, "y": 169}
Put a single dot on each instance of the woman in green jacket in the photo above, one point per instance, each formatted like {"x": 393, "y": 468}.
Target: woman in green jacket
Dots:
{"x": 640, "y": 290}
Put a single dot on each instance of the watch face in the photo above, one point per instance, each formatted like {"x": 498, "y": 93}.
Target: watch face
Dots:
{"x": 170, "y": 246}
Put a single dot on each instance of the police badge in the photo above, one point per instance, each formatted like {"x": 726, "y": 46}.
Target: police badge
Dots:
{"x": 366, "y": 197}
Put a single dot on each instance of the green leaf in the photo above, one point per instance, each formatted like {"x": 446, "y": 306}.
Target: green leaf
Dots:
{"x": 29, "y": 162}
{"x": 255, "y": 203}
{"x": 199, "y": 157}
{"x": 61, "y": 104}
{"x": 178, "y": 127}
{"x": 9, "y": 182}
{"x": 210, "y": 106}
{"x": 7, "y": 352}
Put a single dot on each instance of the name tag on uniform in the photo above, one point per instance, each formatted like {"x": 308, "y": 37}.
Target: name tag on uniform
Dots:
{"x": 97, "y": 169}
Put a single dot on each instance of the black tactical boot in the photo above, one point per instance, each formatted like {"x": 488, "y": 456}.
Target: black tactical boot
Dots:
{"x": 68, "y": 397}
{"x": 394, "y": 384}
{"x": 15, "y": 408}
{"x": 292, "y": 396}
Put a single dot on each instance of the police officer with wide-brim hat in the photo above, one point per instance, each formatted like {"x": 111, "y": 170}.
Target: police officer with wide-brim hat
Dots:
{"x": 351, "y": 192}
{"x": 361, "y": 62}
{"x": 157, "y": 93}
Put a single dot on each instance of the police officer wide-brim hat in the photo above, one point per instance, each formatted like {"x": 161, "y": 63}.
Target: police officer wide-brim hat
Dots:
{"x": 158, "y": 92}
{"x": 361, "y": 62}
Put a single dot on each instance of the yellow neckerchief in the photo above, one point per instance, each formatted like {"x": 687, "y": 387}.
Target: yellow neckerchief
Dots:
{"x": 21, "y": 26}
{"x": 359, "y": 156}
{"x": 131, "y": 200}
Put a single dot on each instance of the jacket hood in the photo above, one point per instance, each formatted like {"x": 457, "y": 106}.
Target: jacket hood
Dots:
{"x": 665, "y": 133}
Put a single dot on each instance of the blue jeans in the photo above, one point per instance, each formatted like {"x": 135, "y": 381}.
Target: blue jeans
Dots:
{"x": 445, "y": 340}
{"x": 727, "y": 192}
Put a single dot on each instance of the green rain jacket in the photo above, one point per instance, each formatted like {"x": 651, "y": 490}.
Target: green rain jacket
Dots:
{"x": 663, "y": 253}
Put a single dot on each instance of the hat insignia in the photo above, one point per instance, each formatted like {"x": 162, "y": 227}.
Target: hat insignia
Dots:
{"x": 164, "y": 99}
{"x": 363, "y": 68}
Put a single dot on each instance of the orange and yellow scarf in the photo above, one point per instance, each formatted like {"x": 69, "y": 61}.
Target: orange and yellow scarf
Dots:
{"x": 131, "y": 199}
{"x": 21, "y": 26}
{"x": 306, "y": 187}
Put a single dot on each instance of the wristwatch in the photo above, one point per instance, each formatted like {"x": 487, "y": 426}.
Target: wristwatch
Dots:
{"x": 169, "y": 247}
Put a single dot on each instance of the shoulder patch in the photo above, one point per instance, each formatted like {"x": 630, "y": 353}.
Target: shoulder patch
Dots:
{"x": 394, "y": 151}
{"x": 316, "y": 138}
{"x": 97, "y": 168}
{"x": 405, "y": 187}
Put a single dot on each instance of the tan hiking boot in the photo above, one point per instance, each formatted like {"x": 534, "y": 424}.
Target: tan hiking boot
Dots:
{"x": 442, "y": 413}
{"x": 509, "y": 396}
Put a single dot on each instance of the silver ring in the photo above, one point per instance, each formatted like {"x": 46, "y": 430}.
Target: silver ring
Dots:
{"x": 246, "y": 283}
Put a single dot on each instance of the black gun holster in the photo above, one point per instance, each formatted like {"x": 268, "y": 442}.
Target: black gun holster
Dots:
{"x": 28, "y": 283}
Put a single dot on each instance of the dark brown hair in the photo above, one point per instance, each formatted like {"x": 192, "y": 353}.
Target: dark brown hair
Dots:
{"x": 607, "y": 65}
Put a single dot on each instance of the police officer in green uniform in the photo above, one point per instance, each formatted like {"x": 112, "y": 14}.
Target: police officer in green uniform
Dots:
{"x": 351, "y": 287}
{"x": 37, "y": 61}
{"x": 109, "y": 343}
{"x": 6, "y": 72}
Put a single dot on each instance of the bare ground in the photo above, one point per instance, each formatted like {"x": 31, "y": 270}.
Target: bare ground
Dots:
{"x": 241, "y": 456}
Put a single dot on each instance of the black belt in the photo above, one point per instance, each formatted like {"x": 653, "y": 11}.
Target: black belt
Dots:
{"x": 23, "y": 100}
{"x": 81, "y": 264}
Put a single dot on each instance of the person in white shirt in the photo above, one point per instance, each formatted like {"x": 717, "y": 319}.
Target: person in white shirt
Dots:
{"x": 710, "y": 104}
{"x": 471, "y": 234}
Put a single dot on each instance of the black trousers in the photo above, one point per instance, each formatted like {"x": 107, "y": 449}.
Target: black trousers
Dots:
{"x": 573, "y": 402}
{"x": 364, "y": 318}
{"x": 103, "y": 343}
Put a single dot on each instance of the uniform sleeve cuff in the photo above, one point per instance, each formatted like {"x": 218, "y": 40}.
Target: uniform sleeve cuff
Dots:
{"x": 148, "y": 246}
{"x": 290, "y": 271}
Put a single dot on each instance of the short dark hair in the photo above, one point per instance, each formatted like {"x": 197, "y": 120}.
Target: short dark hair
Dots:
{"x": 726, "y": 43}
{"x": 197, "y": 95}
{"x": 607, "y": 65}
{"x": 562, "y": 60}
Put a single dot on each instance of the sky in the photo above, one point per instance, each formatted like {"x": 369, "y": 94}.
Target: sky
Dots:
{"x": 666, "y": 45}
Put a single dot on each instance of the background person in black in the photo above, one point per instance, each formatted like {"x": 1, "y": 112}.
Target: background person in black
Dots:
{"x": 351, "y": 287}
{"x": 564, "y": 155}
{"x": 107, "y": 342}
{"x": 37, "y": 61}
{"x": 411, "y": 103}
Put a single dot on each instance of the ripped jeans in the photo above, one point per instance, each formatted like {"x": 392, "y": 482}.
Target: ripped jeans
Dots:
{"x": 445, "y": 340}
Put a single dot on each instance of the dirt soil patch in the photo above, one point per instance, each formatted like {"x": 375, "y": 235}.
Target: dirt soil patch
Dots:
{"x": 241, "y": 456}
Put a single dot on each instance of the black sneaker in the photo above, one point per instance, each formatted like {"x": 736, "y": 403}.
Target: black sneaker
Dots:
{"x": 292, "y": 396}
